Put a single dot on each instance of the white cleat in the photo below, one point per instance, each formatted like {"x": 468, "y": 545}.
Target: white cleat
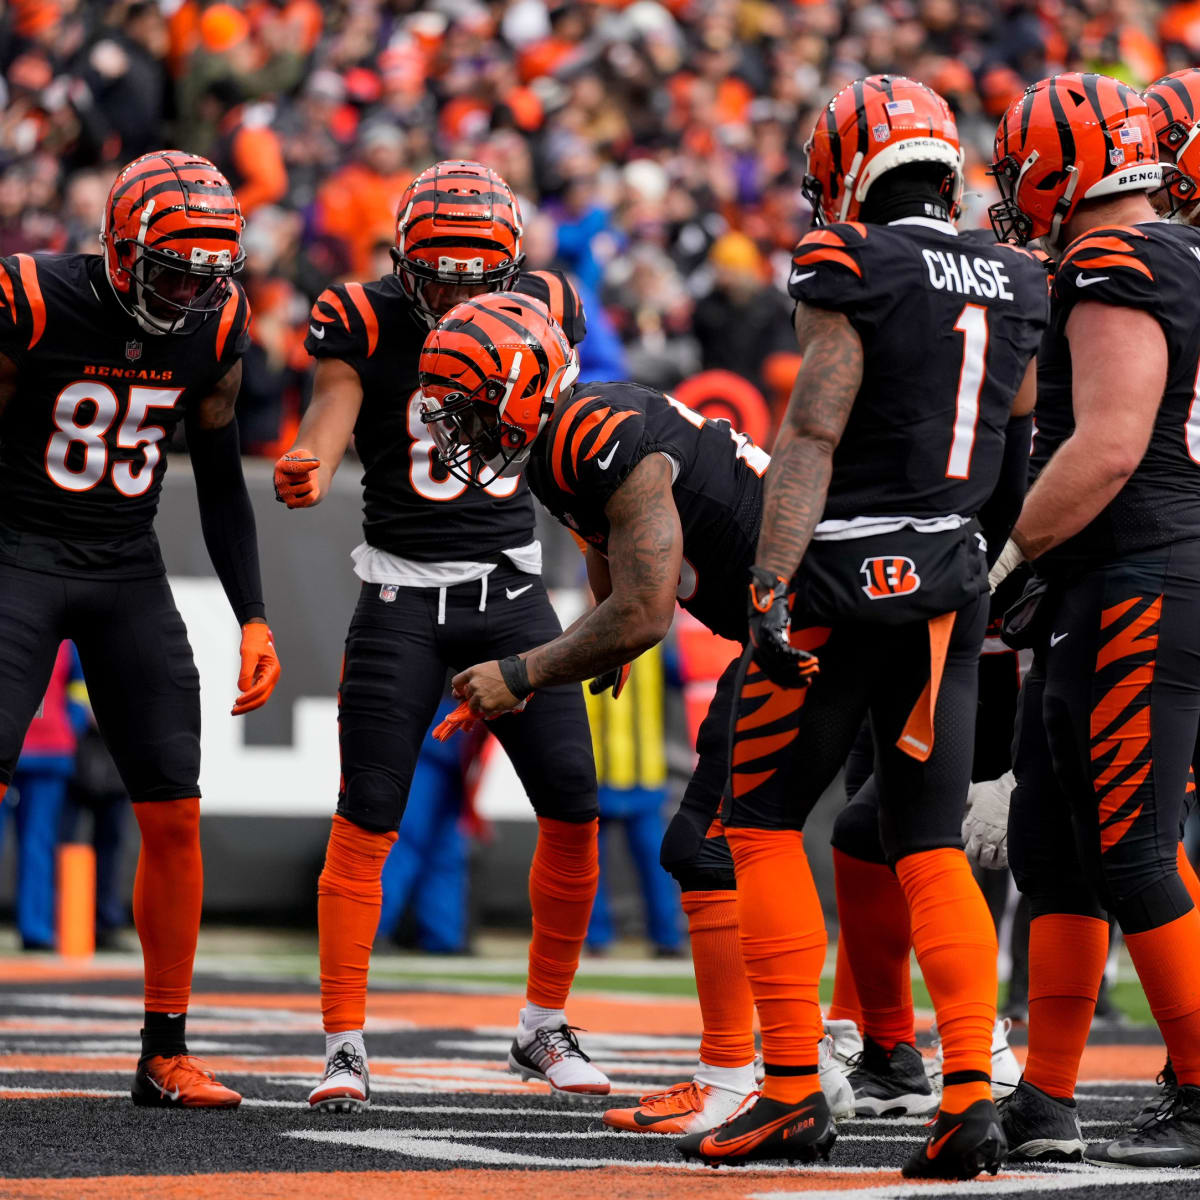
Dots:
{"x": 838, "y": 1092}
{"x": 552, "y": 1053}
{"x": 847, "y": 1041}
{"x": 347, "y": 1083}
{"x": 1006, "y": 1071}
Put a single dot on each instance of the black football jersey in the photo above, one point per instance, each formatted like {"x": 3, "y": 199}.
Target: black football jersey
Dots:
{"x": 1154, "y": 267}
{"x": 412, "y": 506}
{"x": 603, "y": 430}
{"x": 81, "y": 454}
{"x": 949, "y": 324}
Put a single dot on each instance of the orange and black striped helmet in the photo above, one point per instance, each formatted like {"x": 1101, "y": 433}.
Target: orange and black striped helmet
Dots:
{"x": 1069, "y": 138}
{"x": 172, "y": 240}
{"x": 1174, "y": 103}
{"x": 871, "y": 127}
{"x": 491, "y": 372}
{"x": 458, "y": 225}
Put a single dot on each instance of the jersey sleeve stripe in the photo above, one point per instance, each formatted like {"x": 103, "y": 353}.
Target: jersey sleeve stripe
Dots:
{"x": 358, "y": 297}
{"x": 228, "y": 314}
{"x": 334, "y": 301}
{"x": 560, "y": 442}
{"x": 33, "y": 293}
{"x": 605, "y": 433}
{"x": 582, "y": 429}
{"x": 557, "y": 302}
{"x": 1115, "y": 260}
{"x": 6, "y": 286}
{"x": 821, "y": 254}
{"x": 823, "y": 237}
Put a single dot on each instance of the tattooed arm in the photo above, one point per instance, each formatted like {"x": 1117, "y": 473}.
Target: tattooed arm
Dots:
{"x": 802, "y": 462}
{"x": 645, "y": 549}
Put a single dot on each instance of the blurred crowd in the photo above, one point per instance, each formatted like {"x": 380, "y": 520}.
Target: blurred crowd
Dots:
{"x": 656, "y": 144}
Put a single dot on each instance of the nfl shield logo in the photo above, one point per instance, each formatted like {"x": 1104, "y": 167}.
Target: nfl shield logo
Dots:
{"x": 882, "y": 132}
{"x": 133, "y": 350}
{"x": 1116, "y": 156}
{"x": 387, "y": 593}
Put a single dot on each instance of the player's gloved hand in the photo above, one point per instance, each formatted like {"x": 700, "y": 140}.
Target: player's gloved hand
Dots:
{"x": 1011, "y": 557}
{"x": 770, "y": 629}
{"x": 464, "y": 720}
{"x": 985, "y": 827}
{"x": 260, "y": 667}
{"x": 296, "y": 481}
{"x": 613, "y": 681}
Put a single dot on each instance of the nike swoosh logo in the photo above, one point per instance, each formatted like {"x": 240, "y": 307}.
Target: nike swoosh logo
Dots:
{"x": 1088, "y": 280}
{"x": 163, "y": 1091}
{"x": 1120, "y": 1153}
{"x": 603, "y": 463}
{"x": 317, "y": 333}
{"x": 798, "y": 277}
{"x": 933, "y": 1149}
{"x": 640, "y": 1119}
{"x": 712, "y": 1145}
{"x": 513, "y": 593}
{"x": 1055, "y": 638}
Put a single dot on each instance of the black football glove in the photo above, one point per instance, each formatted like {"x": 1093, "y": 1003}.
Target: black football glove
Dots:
{"x": 770, "y": 626}
{"x": 613, "y": 681}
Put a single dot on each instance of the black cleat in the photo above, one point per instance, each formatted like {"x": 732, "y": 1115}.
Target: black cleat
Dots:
{"x": 890, "y": 1084}
{"x": 1040, "y": 1128}
{"x": 960, "y": 1145}
{"x": 1162, "y": 1101}
{"x": 766, "y": 1131}
{"x": 1171, "y": 1140}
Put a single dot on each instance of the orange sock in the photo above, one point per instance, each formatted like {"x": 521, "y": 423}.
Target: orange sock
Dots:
{"x": 1167, "y": 960}
{"x": 1067, "y": 954}
{"x": 875, "y": 929}
{"x": 167, "y": 893}
{"x": 726, "y": 1005}
{"x": 783, "y": 945}
{"x": 1186, "y": 872}
{"x": 562, "y": 887}
{"x": 844, "y": 1006}
{"x": 956, "y": 946}
{"x": 349, "y": 897}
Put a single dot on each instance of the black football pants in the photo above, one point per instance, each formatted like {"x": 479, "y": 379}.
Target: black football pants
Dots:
{"x": 141, "y": 679}
{"x": 1107, "y": 733}
{"x": 401, "y": 643}
{"x": 788, "y": 746}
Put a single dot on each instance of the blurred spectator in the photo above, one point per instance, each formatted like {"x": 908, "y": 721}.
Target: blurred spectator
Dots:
{"x": 358, "y": 203}
{"x": 37, "y": 793}
{"x": 741, "y": 300}
{"x": 246, "y": 148}
{"x": 96, "y": 789}
{"x": 628, "y": 740}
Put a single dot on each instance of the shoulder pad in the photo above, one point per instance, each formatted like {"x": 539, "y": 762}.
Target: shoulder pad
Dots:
{"x": 342, "y": 323}
{"x": 558, "y": 294}
{"x": 1110, "y": 264}
{"x": 587, "y": 453}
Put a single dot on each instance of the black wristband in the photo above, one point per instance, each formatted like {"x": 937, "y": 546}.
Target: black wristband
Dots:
{"x": 515, "y": 675}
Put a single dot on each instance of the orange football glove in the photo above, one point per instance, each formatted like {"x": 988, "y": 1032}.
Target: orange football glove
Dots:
{"x": 260, "y": 667}
{"x": 462, "y": 718}
{"x": 296, "y": 481}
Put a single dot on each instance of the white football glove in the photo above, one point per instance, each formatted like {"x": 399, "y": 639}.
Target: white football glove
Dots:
{"x": 1011, "y": 557}
{"x": 985, "y": 827}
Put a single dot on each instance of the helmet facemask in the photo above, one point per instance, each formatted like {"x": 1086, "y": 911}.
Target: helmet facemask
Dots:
{"x": 415, "y": 276}
{"x": 1178, "y": 199}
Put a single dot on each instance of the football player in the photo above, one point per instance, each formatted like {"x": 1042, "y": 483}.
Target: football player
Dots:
{"x": 1112, "y": 525}
{"x": 101, "y": 357}
{"x": 914, "y": 396}
{"x": 449, "y": 572}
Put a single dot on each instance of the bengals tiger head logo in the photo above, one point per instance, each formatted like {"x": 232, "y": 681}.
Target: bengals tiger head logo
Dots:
{"x": 889, "y": 575}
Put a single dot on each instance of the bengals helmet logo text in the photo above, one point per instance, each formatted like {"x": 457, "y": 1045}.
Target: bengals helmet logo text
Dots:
{"x": 890, "y": 575}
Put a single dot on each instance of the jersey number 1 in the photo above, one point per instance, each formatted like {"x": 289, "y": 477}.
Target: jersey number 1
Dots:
{"x": 128, "y": 478}
{"x": 972, "y": 323}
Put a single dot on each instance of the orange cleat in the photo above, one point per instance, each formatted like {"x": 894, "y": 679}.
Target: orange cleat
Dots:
{"x": 181, "y": 1081}
{"x": 685, "y": 1108}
